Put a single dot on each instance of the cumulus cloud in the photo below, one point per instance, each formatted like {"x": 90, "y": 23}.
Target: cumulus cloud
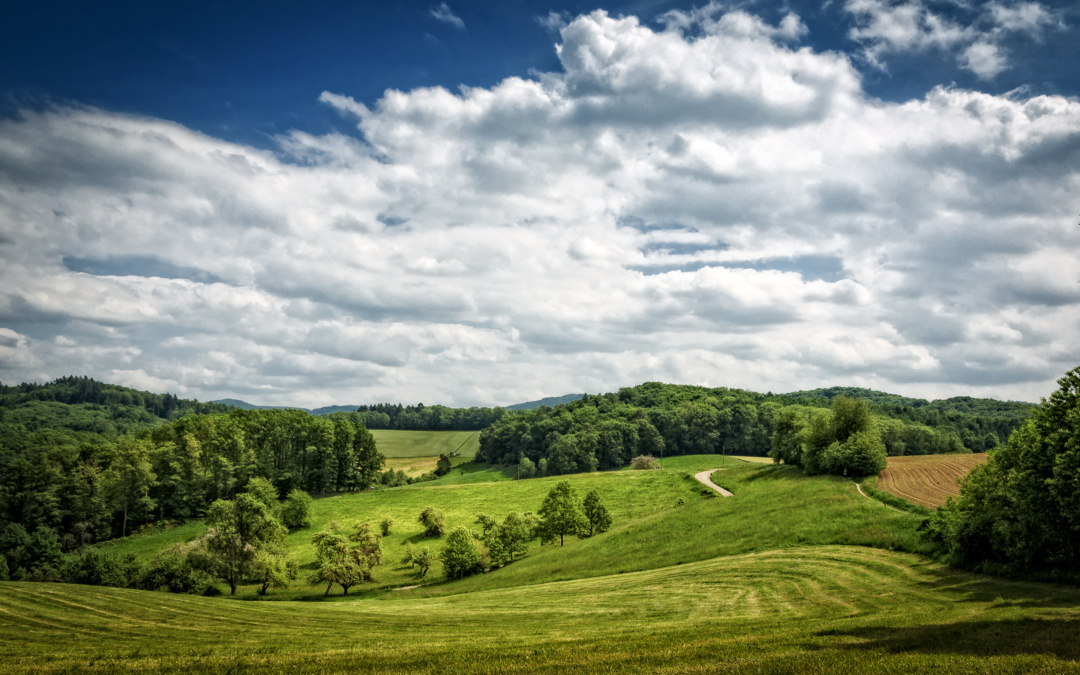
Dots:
{"x": 974, "y": 34}
{"x": 705, "y": 201}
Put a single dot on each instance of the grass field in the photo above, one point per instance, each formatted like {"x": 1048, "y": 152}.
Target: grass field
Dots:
{"x": 817, "y": 609}
{"x": 927, "y": 480}
{"x": 793, "y": 574}
{"x": 394, "y": 444}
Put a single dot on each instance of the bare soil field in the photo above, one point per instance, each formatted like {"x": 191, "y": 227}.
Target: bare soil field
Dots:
{"x": 927, "y": 480}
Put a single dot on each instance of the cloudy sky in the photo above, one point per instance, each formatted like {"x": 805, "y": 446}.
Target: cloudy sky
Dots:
{"x": 472, "y": 204}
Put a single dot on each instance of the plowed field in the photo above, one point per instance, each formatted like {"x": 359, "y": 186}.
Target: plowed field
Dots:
{"x": 927, "y": 480}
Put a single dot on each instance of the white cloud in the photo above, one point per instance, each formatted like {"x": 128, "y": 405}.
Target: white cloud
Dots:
{"x": 707, "y": 203}
{"x": 887, "y": 28}
{"x": 444, "y": 14}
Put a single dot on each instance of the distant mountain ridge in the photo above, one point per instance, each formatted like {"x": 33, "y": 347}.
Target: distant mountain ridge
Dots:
{"x": 325, "y": 410}
{"x": 550, "y": 401}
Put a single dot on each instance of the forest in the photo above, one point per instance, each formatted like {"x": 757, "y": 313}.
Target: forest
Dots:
{"x": 427, "y": 418}
{"x": 80, "y": 491}
{"x": 606, "y": 431}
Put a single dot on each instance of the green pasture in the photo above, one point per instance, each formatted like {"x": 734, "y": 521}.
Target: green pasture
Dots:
{"x": 793, "y": 574}
{"x": 797, "y": 610}
{"x": 394, "y": 444}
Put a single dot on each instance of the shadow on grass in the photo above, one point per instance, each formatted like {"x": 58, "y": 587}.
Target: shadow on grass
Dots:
{"x": 772, "y": 472}
{"x": 1060, "y": 637}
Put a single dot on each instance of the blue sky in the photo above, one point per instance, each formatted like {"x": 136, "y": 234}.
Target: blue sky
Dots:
{"x": 483, "y": 203}
{"x": 248, "y": 71}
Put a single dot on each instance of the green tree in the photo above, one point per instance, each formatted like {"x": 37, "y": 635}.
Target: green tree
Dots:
{"x": 296, "y": 510}
{"x": 273, "y": 568}
{"x": 433, "y": 522}
{"x": 385, "y": 524}
{"x": 596, "y": 513}
{"x": 368, "y": 543}
{"x": 238, "y": 530}
{"x": 460, "y": 555}
{"x": 509, "y": 539}
{"x": 1020, "y": 512}
{"x": 369, "y": 461}
{"x": 129, "y": 479}
{"x": 263, "y": 490}
{"x": 486, "y": 523}
{"x": 423, "y": 559}
{"x": 443, "y": 466}
{"x": 338, "y": 562}
{"x": 561, "y": 513}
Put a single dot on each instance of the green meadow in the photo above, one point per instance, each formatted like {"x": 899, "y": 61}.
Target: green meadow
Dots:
{"x": 394, "y": 444}
{"x": 793, "y": 574}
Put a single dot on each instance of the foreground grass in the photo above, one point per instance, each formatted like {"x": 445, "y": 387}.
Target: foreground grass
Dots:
{"x": 805, "y": 609}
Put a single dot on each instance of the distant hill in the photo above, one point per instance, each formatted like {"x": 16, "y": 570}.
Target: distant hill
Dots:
{"x": 325, "y": 410}
{"x": 1015, "y": 410}
{"x": 550, "y": 401}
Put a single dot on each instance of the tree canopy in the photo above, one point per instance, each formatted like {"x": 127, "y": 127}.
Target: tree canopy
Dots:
{"x": 1019, "y": 513}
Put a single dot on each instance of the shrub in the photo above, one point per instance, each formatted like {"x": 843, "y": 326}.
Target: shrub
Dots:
{"x": 644, "y": 462}
{"x": 385, "y": 524}
{"x": 97, "y": 568}
{"x": 433, "y": 522}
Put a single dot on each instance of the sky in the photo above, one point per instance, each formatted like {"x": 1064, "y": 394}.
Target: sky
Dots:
{"x": 473, "y": 203}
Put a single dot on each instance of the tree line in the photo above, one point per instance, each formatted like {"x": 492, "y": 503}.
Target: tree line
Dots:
{"x": 178, "y": 470}
{"x": 1018, "y": 515}
{"x": 606, "y": 431}
{"x": 420, "y": 417}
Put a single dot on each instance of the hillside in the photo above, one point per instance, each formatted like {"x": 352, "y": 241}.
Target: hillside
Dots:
{"x": 793, "y": 573}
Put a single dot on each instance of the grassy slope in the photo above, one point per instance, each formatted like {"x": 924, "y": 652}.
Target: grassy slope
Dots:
{"x": 750, "y": 584}
{"x": 822, "y": 609}
{"x": 395, "y": 444}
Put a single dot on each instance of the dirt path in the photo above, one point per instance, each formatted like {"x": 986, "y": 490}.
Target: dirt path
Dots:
{"x": 703, "y": 478}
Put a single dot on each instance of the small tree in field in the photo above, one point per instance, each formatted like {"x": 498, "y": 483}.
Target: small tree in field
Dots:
{"x": 460, "y": 555}
{"x": 338, "y": 562}
{"x": 596, "y": 513}
{"x": 561, "y": 513}
{"x": 385, "y": 525}
{"x": 423, "y": 559}
{"x": 274, "y": 569}
{"x": 433, "y": 522}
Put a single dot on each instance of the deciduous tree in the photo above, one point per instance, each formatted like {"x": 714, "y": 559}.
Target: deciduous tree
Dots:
{"x": 561, "y": 513}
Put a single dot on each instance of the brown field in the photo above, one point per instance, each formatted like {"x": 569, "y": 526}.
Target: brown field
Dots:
{"x": 927, "y": 480}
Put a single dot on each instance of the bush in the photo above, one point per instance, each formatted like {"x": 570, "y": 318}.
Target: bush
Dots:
{"x": 433, "y": 521}
{"x": 173, "y": 570}
{"x": 385, "y": 524}
{"x": 296, "y": 511}
{"x": 460, "y": 555}
{"x": 644, "y": 462}
{"x": 97, "y": 568}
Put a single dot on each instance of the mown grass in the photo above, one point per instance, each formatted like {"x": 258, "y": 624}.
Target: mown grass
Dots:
{"x": 397, "y": 444}
{"x": 805, "y": 609}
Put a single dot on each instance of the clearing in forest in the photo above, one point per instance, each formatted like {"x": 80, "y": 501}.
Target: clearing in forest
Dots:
{"x": 393, "y": 443}
{"x": 927, "y": 480}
